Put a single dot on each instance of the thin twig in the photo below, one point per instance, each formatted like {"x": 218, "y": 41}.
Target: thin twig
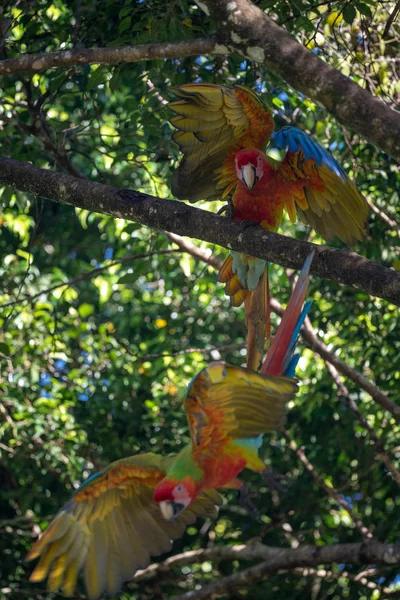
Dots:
{"x": 379, "y": 449}
{"x": 330, "y": 491}
{"x": 87, "y": 275}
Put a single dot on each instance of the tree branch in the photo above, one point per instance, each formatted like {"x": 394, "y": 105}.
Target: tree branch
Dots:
{"x": 84, "y": 276}
{"x": 330, "y": 491}
{"x": 358, "y": 378}
{"x": 275, "y": 559}
{"x": 103, "y": 56}
{"x": 341, "y": 266}
{"x": 378, "y": 446}
{"x": 308, "y": 334}
{"x": 244, "y": 27}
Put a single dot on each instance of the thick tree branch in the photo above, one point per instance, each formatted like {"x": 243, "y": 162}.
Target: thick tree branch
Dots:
{"x": 243, "y": 27}
{"x": 124, "y": 54}
{"x": 236, "y": 581}
{"x": 342, "y": 266}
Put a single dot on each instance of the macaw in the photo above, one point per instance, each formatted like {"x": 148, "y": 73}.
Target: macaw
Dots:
{"x": 133, "y": 509}
{"x": 222, "y": 131}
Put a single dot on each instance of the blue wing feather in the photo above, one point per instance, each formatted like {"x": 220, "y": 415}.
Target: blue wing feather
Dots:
{"x": 294, "y": 139}
{"x": 88, "y": 480}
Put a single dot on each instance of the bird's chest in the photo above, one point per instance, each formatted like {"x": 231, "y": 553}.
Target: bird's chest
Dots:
{"x": 220, "y": 469}
{"x": 261, "y": 205}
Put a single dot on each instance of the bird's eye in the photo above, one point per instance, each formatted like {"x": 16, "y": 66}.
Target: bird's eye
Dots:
{"x": 179, "y": 488}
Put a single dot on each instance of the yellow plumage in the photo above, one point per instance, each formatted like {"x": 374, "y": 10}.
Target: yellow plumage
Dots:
{"x": 251, "y": 404}
{"x": 111, "y": 528}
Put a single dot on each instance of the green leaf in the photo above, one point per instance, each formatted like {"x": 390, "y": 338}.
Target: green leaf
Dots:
{"x": 4, "y": 349}
{"x": 349, "y": 13}
{"x": 85, "y": 310}
{"x": 125, "y": 24}
{"x": 97, "y": 77}
{"x": 364, "y": 9}
{"x": 128, "y": 278}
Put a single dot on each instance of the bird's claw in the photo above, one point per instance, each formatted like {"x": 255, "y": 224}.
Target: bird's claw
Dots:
{"x": 227, "y": 209}
{"x": 274, "y": 481}
{"x": 246, "y": 224}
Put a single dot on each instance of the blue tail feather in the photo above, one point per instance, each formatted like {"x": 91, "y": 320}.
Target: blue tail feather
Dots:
{"x": 291, "y": 359}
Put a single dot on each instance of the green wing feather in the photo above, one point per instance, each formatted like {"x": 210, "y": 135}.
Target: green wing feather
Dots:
{"x": 111, "y": 528}
{"x": 237, "y": 402}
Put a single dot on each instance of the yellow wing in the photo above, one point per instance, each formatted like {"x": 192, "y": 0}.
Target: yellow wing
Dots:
{"x": 317, "y": 186}
{"x": 214, "y": 122}
{"x": 111, "y": 527}
{"x": 223, "y": 400}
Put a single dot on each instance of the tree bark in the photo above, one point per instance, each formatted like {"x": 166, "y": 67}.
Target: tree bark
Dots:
{"x": 104, "y": 56}
{"x": 274, "y": 559}
{"x": 341, "y": 266}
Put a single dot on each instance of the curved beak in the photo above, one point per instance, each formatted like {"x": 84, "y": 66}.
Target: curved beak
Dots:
{"x": 249, "y": 176}
{"x": 170, "y": 510}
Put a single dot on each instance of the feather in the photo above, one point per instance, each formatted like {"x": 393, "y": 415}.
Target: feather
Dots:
{"x": 257, "y": 313}
{"x": 214, "y": 122}
{"x": 110, "y": 528}
{"x": 244, "y": 404}
{"x": 279, "y": 357}
{"x": 334, "y": 205}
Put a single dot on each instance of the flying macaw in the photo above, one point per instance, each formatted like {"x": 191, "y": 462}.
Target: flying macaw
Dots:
{"x": 222, "y": 131}
{"x": 133, "y": 509}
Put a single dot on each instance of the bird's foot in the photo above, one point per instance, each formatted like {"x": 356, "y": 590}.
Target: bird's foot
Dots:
{"x": 274, "y": 480}
{"x": 227, "y": 209}
{"x": 246, "y": 224}
{"x": 245, "y": 501}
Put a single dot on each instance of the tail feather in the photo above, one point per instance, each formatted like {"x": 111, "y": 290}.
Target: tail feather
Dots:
{"x": 257, "y": 312}
{"x": 234, "y": 288}
{"x": 280, "y": 359}
{"x": 246, "y": 281}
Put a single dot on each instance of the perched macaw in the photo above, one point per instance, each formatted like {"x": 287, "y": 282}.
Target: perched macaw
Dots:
{"x": 221, "y": 132}
{"x": 132, "y": 510}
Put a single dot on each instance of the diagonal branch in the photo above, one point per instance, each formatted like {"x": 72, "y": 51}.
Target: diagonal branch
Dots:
{"x": 358, "y": 378}
{"x": 379, "y": 449}
{"x": 84, "y": 276}
{"x": 341, "y": 266}
{"x": 330, "y": 491}
{"x": 307, "y": 333}
{"x": 245, "y": 28}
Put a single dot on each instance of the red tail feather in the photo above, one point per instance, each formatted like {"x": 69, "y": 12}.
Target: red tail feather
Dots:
{"x": 281, "y": 348}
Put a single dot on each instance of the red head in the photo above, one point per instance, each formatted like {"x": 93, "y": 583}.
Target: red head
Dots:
{"x": 174, "y": 496}
{"x": 251, "y": 166}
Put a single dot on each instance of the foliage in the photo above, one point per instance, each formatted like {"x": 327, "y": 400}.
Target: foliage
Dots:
{"x": 95, "y": 348}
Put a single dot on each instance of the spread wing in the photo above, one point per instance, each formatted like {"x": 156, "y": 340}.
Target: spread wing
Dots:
{"x": 111, "y": 527}
{"x": 226, "y": 401}
{"x": 326, "y": 199}
{"x": 214, "y": 122}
